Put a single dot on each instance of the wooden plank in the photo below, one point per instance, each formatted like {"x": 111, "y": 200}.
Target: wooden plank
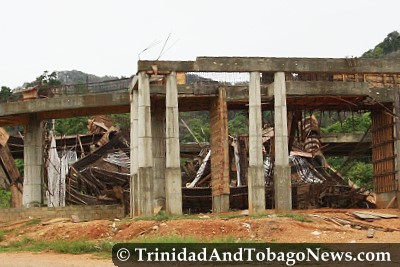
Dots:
{"x": 13, "y": 177}
{"x": 391, "y": 202}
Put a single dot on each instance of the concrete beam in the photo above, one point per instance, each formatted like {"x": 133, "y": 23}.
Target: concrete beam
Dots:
{"x": 270, "y": 64}
{"x": 344, "y": 138}
{"x": 282, "y": 179}
{"x": 33, "y": 163}
{"x": 75, "y": 102}
{"x": 145, "y": 148}
{"x": 256, "y": 182}
{"x": 173, "y": 180}
{"x": 219, "y": 146}
{"x": 322, "y": 88}
{"x": 14, "y": 113}
{"x": 294, "y": 88}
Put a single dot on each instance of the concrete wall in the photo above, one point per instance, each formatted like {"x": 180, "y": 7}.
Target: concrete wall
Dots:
{"x": 85, "y": 213}
{"x": 383, "y": 199}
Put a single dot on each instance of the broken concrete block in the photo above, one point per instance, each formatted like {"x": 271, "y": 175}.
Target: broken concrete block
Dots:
{"x": 75, "y": 218}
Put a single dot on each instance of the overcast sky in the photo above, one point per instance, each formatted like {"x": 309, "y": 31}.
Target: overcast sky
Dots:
{"x": 105, "y": 37}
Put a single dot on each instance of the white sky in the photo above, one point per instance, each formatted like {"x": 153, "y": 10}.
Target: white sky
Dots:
{"x": 105, "y": 37}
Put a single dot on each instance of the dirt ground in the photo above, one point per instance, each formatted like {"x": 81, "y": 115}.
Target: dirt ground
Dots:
{"x": 300, "y": 227}
{"x": 30, "y": 259}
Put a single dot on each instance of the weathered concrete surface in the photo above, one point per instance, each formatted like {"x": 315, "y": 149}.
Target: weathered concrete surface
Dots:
{"x": 75, "y": 102}
{"x": 256, "y": 181}
{"x": 145, "y": 149}
{"x": 14, "y": 113}
{"x": 274, "y": 64}
{"x": 158, "y": 133}
{"x": 383, "y": 199}
{"x": 173, "y": 181}
{"x": 134, "y": 186}
{"x": 33, "y": 163}
{"x": 345, "y": 138}
{"x": 282, "y": 179}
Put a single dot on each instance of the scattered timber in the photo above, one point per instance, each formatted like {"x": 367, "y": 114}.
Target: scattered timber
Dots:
{"x": 353, "y": 224}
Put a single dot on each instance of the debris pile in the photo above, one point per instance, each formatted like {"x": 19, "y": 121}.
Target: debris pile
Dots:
{"x": 361, "y": 215}
{"x": 102, "y": 174}
{"x": 101, "y": 177}
{"x": 314, "y": 183}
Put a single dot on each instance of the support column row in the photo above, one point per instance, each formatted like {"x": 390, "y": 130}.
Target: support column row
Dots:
{"x": 156, "y": 175}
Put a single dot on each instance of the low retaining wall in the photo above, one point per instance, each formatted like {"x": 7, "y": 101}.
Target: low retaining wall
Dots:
{"x": 85, "y": 213}
{"x": 383, "y": 199}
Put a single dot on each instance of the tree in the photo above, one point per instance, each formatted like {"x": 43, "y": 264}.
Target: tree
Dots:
{"x": 122, "y": 121}
{"x": 389, "y": 45}
{"x": 200, "y": 126}
{"x": 238, "y": 122}
{"x": 5, "y": 94}
{"x": 45, "y": 80}
{"x": 77, "y": 125}
{"x": 353, "y": 124}
{"x": 5, "y": 198}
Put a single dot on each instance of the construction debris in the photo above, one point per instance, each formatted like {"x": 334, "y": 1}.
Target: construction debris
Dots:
{"x": 102, "y": 174}
{"x": 371, "y": 233}
{"x": 353, "y": 224}
{"x": 95, "y": 179}
{"x": 371, "y": 216}
{"x": 314, "y": 183}
{"x": 10, "y": 178}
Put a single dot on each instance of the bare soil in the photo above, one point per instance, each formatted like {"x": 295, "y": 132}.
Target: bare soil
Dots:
{"x": 30, "y": 259}
{"x": 204, "y": 227}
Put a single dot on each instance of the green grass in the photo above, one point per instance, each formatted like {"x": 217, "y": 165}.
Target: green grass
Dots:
{"x": 3, "y": 233}
{"x": 33, "y": 222}
{"x": 59, "y": 246}
{"x": 163, "y": 217}
{"x": 174, "y": 238}
{"x": 230, "y": 216}
{"x": 17, "y": 245}
{"x": 296, "y": 217}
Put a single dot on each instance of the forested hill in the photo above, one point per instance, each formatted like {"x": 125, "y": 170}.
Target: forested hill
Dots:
{"x": 76, "y": 77}
{"x": 388, "y": 48}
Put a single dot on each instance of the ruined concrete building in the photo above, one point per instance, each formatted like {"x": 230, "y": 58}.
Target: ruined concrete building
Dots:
{"x": 286, "y": 86}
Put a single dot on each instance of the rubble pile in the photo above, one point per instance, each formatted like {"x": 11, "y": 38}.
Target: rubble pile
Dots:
{"x": 102, "y": 174}
{"x": 314, "y": 183}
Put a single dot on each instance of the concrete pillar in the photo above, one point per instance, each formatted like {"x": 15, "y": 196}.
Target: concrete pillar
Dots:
{"x": 134, "y": 200}
{"x": 158, "y": 133}
{"x": 256, "y": 181}
{"x": 145, "y": 149}
{"x": 282, "y": 179}
{"x": 173, "y": 180}
{"x": 33, "y": 163}
{"x": 219, "y": 153}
